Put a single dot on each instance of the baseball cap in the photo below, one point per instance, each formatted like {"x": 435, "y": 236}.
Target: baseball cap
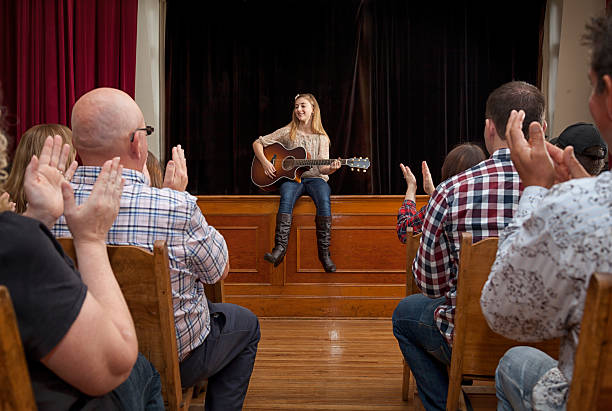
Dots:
{"x": 580, "y": 136}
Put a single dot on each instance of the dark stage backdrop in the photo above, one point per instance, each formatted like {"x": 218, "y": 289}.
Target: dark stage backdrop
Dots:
{"x": 397, "y": 81}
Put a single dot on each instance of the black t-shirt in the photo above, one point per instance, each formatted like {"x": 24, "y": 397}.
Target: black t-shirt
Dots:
{"x": 47, "y": 294}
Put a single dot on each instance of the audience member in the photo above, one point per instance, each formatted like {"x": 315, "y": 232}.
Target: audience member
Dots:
{"x": 460, "y": 158}
{"x": 480, "y": 200}
{"x": 31, "y": 143}
{"x": 153, "y": 171}
{"x": 215, "y": 341}
{"x": 560, "y": 235}
{"x": 589, "y": 148}
{"x": 76, "y": 329}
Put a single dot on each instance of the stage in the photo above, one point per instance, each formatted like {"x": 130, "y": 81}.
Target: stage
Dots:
{"x": 371, "y": 262}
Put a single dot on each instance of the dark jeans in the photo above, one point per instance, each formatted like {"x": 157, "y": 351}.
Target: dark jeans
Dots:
{"x": 316, "y": 188}
{"x": 226, "y": 357}
{"x": 141, "y": 391}
{"x": 424, "y": 347}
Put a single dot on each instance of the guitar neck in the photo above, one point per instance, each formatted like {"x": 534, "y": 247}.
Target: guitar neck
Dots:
{"x": 320, "y": 162}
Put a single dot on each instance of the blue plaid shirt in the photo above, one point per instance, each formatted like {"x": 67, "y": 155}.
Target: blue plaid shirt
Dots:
{"x": 197, "y": 252}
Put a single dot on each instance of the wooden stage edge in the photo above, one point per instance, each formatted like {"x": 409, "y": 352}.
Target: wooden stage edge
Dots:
{"x": 371, "y": 262}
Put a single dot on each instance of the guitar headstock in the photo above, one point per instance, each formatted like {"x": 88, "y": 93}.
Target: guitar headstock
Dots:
{"x": 359, "y": 163}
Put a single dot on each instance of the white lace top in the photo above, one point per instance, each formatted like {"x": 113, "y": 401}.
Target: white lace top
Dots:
{"x": 546, "y": 255}
{"x": 317, "y": 145}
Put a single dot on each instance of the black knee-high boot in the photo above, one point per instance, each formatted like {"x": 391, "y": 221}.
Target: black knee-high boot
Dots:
{"x": 323, "y": 241}
{"x": 281, "y": 238}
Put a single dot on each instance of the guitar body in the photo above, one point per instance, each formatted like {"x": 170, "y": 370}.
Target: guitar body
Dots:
{"x": 277, "y": 154}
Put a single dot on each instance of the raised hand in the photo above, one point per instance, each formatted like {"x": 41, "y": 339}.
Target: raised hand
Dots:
{"x": 43, "y": 180}
{"x": 176, "y": 171}
{"x": 566, "y": 164}
{"x": 61, "y": 164}
{"x": 90, "y": 221}
{"x": 531, "y": 159}
{"x": 428, "y": 185}
{"x": 576, "y": 170}
{"x": 410, "y": 182}
{"x": 5, "y": 203}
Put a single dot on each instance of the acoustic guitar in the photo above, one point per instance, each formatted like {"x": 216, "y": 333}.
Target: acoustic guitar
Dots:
{"x": 290, "y": 164}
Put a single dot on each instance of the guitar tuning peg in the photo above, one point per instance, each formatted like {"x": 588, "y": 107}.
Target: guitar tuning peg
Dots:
{"x": 360, "y": 158}
{"x": 363, "y": 171}
{"x": 352, "y": 169}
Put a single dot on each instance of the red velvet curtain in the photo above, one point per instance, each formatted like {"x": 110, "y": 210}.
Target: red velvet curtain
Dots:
{"x": 54, "y": 51}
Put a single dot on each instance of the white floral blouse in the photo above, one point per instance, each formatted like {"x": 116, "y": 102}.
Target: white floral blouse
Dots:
{"x": 546, "y": 255}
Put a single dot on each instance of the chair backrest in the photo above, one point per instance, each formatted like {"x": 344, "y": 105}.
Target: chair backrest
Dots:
{"x": 15, "y": 386}
{"x": 476, "y": 348}
{"x": 591, "y": 387}
{"x": 412, "y": 246}
{"x": 144, "y": 278}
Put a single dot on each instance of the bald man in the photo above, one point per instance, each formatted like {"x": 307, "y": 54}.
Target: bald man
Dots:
{"x": 215, "y": 341}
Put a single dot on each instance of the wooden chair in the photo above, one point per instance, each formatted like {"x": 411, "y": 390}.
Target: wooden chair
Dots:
{"x": 591, "y": 387}
{"x": 476, "y": 348}
{"x": 412, "y": 246}
{"x": 15, "y": 386}
{"x": 144, "y": 278}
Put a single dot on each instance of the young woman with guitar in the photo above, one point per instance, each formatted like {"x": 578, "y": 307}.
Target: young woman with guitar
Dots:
{"x": 305, "y": 130}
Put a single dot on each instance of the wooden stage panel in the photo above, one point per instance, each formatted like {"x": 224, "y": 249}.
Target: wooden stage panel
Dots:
{"x": 370, "y": 260}
{"x": 352, "y": 250}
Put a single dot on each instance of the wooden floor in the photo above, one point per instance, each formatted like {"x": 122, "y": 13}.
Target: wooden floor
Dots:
{"x": 326, "y": 364}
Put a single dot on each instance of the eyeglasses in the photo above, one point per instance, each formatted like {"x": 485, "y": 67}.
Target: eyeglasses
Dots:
{"x": 148, "y": 129}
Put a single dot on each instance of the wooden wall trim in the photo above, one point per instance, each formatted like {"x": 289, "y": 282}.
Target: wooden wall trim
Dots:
{"x": 370, "y": 279}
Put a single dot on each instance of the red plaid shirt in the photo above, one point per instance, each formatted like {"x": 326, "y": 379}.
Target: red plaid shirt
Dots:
{"x": 481, "y": 200}
{"x": 408, "y": 216}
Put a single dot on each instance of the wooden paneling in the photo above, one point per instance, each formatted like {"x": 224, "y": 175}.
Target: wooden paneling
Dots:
{"x": 370, "y": 260}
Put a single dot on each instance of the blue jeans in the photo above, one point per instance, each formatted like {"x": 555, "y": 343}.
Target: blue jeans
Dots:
{"x": 226, "y": 357}
{"x": 517, "y": 373}
{"x": 424, "y": 347}
{"x": 140, "y": 392}
{"x": 316, "y": 188}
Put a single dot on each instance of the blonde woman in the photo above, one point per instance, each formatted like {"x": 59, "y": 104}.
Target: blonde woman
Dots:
{"x": 32, "y": 143}
{"x": 305, "y": 130}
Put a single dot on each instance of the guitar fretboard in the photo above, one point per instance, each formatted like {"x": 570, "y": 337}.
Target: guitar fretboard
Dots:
{"x": 320, "y": 162}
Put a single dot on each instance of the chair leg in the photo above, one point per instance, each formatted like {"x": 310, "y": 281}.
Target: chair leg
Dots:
{"x": 186, "y": 400}
{"x": 406, "y": 377}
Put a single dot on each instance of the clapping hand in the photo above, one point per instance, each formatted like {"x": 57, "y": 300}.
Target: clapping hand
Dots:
{"x": 538, "y": 162}
{"x": 411, "y": 185}
{"x": 176, "y": 170}
{"x": 428, "y": 185}
{"x": 5, "y": 203}
{"x": 90, "y": 221}
{"x": 43, "y": 180}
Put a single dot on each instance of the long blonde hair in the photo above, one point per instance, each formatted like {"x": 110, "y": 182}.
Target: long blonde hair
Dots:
{"x": 31, "y": 143}
{"x": 316, "y": 124}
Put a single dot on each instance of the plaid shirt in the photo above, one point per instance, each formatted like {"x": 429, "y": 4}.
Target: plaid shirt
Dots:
{"x": 197, "y": 252}
{"x": 407, "y": 216}
{"x": 481, "y": 200}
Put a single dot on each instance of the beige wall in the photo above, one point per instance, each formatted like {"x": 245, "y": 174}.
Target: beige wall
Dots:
{"x": 566, "y": 62}
{"x": 149, "y": 65}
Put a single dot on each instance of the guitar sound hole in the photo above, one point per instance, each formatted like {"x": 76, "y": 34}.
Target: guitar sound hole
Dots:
{"x": 288, "y": 163}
